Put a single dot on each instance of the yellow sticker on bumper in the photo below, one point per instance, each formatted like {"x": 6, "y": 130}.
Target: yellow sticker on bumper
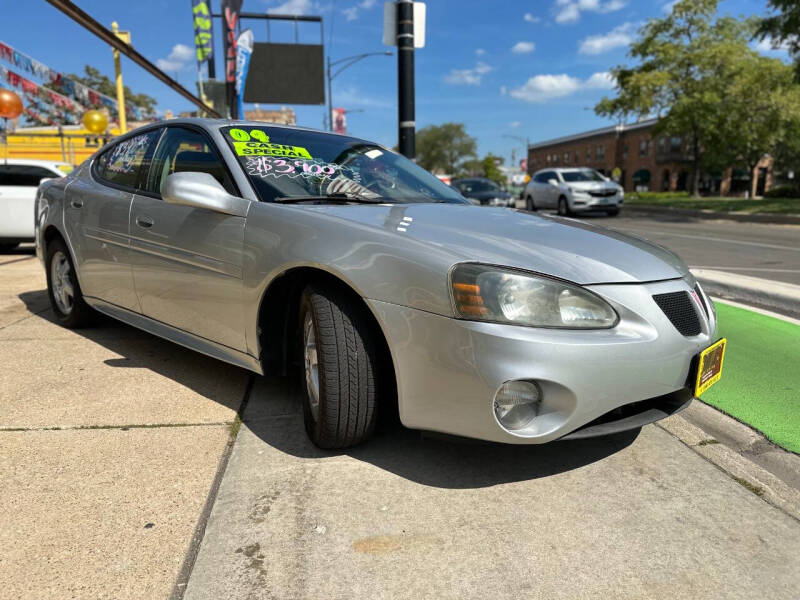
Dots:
{"x": 268, "y": 149}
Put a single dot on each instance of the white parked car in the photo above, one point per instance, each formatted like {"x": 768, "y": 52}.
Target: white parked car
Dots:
{"x": 579, "y": 189}
{"x": 19, "y": 179}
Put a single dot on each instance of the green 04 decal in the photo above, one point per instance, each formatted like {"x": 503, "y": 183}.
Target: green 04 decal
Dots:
{"x": 240, "y": 135}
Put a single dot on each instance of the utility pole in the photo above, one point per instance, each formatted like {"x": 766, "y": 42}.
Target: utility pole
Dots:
{"x": 405, "y": 77}
{"x": 125, "y": 36}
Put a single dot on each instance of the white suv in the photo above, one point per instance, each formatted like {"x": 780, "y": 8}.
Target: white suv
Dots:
{"x": 19, "y": 179}
{"x": 573, "y": 190}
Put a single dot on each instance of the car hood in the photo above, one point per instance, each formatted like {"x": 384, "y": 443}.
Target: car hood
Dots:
{"x": 554, "y": 246}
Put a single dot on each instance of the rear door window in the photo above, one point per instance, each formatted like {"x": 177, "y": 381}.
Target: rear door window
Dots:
{"x": 121, "y": 165}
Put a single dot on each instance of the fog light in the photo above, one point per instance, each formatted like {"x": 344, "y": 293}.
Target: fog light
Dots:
{"x": 516, "y": 403}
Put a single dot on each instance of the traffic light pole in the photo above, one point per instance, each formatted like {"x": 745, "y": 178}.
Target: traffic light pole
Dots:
{"x": 405, "y": 77}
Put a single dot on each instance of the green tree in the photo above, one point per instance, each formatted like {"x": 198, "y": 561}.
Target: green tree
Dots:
{"x": 759, "y": 113}
{"x": 490, "y": 170}
{"x": 99, "y": 82}
{"x": 782, "y": 28}
{"x": 685, "y": 64}
{"x": 444, "y": 147}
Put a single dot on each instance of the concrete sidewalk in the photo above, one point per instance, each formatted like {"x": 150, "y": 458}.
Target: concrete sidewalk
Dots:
{"x": 410, "y": 517}
{"x": 110, "y": 441}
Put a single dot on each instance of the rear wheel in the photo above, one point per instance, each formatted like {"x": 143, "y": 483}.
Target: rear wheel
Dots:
{"x": 63, "y": 288}
{"x": 563, "y": 207}
{"x": 529, "y": 204}
{"x": 340, "y": 369}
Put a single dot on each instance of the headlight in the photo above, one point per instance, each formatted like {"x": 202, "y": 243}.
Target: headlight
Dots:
{"x": 486, "y": 293}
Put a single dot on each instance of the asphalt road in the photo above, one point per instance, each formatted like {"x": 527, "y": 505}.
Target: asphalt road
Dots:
{"x": 753, "y": 249}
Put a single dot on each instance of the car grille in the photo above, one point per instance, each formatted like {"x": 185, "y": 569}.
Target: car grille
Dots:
{"x": 680, "y": 311}
{"x": 603, "y": 193}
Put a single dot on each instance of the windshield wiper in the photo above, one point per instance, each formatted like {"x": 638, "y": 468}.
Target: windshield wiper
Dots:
{"x": 325, "y": 198}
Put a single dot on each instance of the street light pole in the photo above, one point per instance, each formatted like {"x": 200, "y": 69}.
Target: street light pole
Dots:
{"x": 519, "y": 138}
{"x": 405, "y": 78}
{"x": 350, "y": 60}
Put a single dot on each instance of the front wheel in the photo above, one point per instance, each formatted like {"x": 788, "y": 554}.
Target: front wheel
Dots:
{"x": 529, "y": 204}
{"x": 63, "y": 288}
{"x": 339, "y": 377}
{"x": 563, "y": 207}
{"x": 7, "y": 247}
{"x": 613, "y": 212}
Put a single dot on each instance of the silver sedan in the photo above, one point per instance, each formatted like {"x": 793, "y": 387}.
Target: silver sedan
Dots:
{"x": 292, "y": 251}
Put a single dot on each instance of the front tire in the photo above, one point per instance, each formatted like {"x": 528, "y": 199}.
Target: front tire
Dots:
{"x": 613, "y": 212}
{"x": 529, "y": 204}
{"x": 563, "y": 207}
{"x": 339, "y": 378}
{"x": 7, "y": 247}
{"x": 63, "y": 289}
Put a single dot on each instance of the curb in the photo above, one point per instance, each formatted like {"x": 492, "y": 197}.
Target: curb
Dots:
{"x": 775, "y": 295}
{"x": 780, "y": 219}
{"x": 739, "y": 462}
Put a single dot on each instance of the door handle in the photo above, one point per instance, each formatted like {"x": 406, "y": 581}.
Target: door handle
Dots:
{"x": 145, "y": 222}
{"x": 76, "y": 203}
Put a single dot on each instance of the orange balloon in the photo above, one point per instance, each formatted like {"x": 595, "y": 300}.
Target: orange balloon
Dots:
{"x": 10, "y": 104}
{"x": 95, "y": 121}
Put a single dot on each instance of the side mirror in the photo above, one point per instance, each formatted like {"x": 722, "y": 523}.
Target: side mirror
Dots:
{"x": 552, "y": 181}
{"x": 201, "y": 190}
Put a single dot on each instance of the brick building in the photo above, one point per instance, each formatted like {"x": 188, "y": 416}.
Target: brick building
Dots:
{"x": 641, "y": 161}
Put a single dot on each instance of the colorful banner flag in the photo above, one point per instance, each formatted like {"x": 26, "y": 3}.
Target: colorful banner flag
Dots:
{"x": 80, "y": 93}
{"x": 230, "y": 17}
{"x": 203, "y": 33}
{"x": 244, "y": 49}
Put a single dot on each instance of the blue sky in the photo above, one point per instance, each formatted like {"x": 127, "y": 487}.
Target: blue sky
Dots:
{"x": 532, "y": 69}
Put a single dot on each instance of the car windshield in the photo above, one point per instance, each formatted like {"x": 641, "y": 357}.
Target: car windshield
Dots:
{"x": 482, "y": 186}
{"x": 287, "y": 163}
{"x": 582, "y": 175}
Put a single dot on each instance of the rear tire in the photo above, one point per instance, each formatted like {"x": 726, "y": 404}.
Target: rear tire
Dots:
{"x": 529, "y": 204}
{"x": 63, "y": 289}
{"x": 339, "y": 378}
{"x": 563, "y": 207}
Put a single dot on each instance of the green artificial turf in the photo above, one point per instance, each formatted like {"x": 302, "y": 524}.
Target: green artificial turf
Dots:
{"x": 760, "y": 382}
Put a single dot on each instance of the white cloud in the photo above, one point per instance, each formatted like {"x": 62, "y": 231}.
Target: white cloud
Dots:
{"x": 352, "y": 13}
{"x": 601, "y": 81}
{"x": 769, "y": 45}
{"x": 480, "y": 51}
{"x": 622, "y": 35}
{"x": 523, "y": 47}
{"x": 293, "y": 7}
{"x": 177, "y": 59}
{"x": 541, "y": 88}
{"x": 515, "y": 124}
{"x": 472, "y": 76}
{"x": 530, "y": 18}
{"x": 667, "y": 8}
{"x": 569, "y": 11}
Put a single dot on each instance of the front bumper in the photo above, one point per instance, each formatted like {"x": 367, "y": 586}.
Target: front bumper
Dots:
{"x": 448, "y": 370}
{"x": 586, "y": 202}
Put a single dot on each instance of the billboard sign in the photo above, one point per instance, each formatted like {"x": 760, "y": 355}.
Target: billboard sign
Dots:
{"x": 285, "y": 74}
